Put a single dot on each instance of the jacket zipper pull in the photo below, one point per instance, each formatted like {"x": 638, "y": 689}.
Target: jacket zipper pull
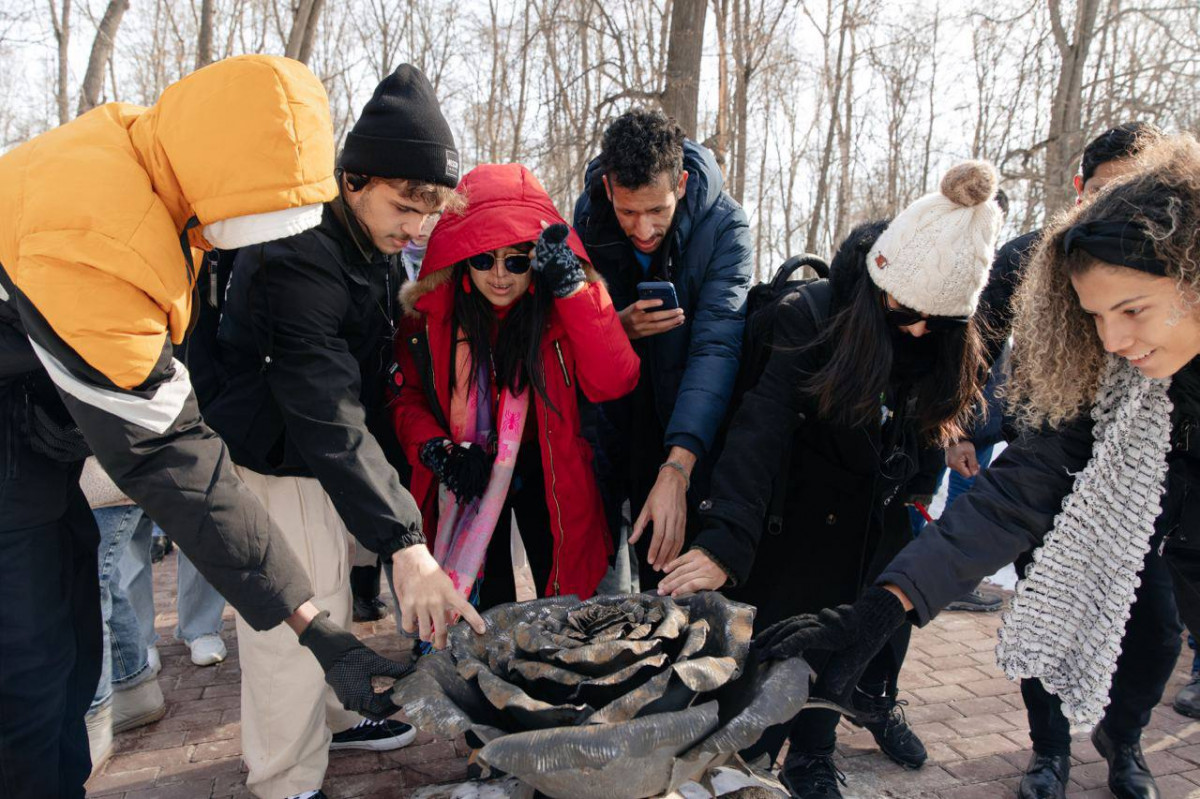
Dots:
{"x": 562, "y": 363}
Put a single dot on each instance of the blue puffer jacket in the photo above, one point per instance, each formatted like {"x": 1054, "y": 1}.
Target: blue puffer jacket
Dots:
{"x": 710, "y": 261}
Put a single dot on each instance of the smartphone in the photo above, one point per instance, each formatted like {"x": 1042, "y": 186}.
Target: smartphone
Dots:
{"x": 659, "y": 290}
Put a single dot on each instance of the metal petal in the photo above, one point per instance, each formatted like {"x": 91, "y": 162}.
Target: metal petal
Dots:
{"x": 631, "y": 760}
{"x": 527, "y": 713}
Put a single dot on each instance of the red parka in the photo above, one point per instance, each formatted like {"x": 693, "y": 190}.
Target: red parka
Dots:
{"x": 583, "y": 347}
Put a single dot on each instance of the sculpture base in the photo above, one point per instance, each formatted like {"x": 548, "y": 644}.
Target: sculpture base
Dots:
{"x": 727, "y": 781}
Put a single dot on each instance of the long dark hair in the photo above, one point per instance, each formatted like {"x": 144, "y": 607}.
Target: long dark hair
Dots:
{"x": 848, "y": 385}
{"x": 516, "y": 357}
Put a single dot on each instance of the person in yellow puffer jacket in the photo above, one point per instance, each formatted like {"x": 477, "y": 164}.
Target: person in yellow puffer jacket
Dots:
{"x": 100, "y": 221}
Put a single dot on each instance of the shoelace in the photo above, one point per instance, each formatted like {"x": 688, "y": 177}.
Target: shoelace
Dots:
{"x": 823, "y": 771}
{"x": 896, "y": 718}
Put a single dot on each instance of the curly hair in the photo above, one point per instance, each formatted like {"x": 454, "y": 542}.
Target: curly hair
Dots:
{"x": 1058, "y": 358}
{"x": 639, "y": 146}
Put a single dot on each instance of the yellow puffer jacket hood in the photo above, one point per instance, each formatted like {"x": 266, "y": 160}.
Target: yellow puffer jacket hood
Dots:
{"x": 91, "y": 213}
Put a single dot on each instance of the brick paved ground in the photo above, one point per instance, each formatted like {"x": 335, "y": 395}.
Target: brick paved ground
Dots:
{"x": 969, "y": 716}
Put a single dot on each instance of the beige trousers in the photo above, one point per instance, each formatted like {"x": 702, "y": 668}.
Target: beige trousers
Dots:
{"x": 289, "y": 714}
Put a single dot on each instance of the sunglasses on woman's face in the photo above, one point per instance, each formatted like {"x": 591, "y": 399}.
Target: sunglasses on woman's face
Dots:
{"x": 903, "y": 317}
{"x": 515, "y": 264}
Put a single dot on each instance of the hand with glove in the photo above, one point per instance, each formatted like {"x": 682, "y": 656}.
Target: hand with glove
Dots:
{"x": 558, "y": 264}
{"x": 851, "y": 634}
{"x": 349, "y": 666}
{"x": 464, "y": 470}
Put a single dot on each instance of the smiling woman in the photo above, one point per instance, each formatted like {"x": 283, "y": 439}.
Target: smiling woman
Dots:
{"x": 1118, "y": 275}
{"x": 1104, "y": 487}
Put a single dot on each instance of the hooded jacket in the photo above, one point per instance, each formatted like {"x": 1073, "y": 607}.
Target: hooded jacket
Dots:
{"x": 709, "y": 259}
{"x": 583, "y": 348}
{"x": 97, "y": 287}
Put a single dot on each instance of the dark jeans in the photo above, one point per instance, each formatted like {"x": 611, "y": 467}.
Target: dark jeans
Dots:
{"x": 1148, "y": 654}
{"x": 50, "y": 632}
{"x": 814, "y": 732}
{"x": 527, "y": 501}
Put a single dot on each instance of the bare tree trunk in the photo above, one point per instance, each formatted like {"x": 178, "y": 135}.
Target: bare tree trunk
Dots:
{"x": 1065, "y": 133}
{"x": 61, "y": 23}
{"x": 681, "y": 98}
{"x": 204, "y": 48}
{"x": 102, "y": 46}
{"x": 304, "y": 24}
{"x": 835, "y": 81}
{"x": 719, "y": 141}
{"x": 310, "y": 31}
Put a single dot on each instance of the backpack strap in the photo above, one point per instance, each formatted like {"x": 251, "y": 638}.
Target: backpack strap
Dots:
{"x": 818, "y": 296}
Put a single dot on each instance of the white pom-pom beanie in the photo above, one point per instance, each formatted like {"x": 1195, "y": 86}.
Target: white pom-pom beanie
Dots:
{"x": 935, "y": 255}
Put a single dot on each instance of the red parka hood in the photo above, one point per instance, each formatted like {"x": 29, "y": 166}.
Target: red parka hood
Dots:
{"x": 506, "y": 205}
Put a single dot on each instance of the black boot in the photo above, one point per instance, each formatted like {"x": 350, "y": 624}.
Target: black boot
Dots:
{"x": 883, "y": 716}
{"x": 1128, "y": 776}
{"x": 811, "y": 776}
{"x": 1045, "y": 777}
{"x": 1187, "y": 701}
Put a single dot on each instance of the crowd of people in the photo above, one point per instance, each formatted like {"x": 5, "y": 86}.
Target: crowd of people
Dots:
{"x": 315, "y": 370}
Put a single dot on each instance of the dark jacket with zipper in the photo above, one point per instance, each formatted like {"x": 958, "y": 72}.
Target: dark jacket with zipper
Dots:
{"x": 844, "y": 515}
{"x": 709, "y": 258}
{"x": 305, "y": 347}
{"x": 1014, "y": 503}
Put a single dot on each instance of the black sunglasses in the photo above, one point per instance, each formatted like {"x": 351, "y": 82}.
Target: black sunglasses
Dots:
{"x": 516, "y": 264}
{"x": 903, "y": 317}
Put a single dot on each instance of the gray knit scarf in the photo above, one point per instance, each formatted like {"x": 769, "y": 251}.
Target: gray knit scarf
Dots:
{"x": 1068, "y": 617}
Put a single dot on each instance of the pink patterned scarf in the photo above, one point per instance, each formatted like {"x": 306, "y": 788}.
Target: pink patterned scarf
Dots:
{"x": 465, "y": 529}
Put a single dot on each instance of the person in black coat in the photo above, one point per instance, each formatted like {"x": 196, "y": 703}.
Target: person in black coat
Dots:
{"x": 1106, "y": 383}
{"x": 869, "y": 373}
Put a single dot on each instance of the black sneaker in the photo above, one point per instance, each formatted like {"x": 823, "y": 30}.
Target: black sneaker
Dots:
{"x": 377, "y": 736}
{"x": 977, "y": 602}
{"x": 371, "y": 609}
{"x": 883, "y": 716}
{"x": 811, "y": 777}
{"x": 1187, "y": 701}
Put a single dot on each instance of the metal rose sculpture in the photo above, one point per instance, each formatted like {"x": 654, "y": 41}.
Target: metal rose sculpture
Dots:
{"x": 617, "y": 697}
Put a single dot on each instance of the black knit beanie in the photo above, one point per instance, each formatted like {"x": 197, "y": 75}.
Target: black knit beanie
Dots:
{"x": 402, "y": 133}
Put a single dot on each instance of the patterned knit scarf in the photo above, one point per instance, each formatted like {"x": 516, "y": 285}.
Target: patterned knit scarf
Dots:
{"x": 465, "y": 529}
{"x": 1068, "y": 618}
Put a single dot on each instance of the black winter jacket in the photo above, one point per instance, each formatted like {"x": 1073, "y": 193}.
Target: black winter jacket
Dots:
{"x": 1014, "y": 502}
{"x": 844, "y": 516}
{"x": 305, "y": 345}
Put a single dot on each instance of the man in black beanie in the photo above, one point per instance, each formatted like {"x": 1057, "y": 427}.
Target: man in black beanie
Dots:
{"x": 305, "y": 345}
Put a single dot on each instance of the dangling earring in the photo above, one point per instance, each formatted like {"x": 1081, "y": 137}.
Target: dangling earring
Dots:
{"x": 466, "y": 284}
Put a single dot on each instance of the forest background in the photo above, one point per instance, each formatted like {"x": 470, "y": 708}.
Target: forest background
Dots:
{"x": 822, "y": 113}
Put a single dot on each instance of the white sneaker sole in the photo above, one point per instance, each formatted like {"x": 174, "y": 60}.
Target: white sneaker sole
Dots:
{"x": 382, "y": 745}
{"x": 140, "y": 721}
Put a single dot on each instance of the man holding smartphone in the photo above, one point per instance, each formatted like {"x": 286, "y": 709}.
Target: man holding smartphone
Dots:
{"x": 654, "y": 212}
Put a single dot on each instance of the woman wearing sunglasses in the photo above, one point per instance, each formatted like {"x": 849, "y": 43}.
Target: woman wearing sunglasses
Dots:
{"x": 1106, "y": 380}
{"x": 505, "y": 324}
{"x": 871, "y": 375}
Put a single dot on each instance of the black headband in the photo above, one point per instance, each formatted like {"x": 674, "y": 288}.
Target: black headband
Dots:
{"x": 1124, "y": 242}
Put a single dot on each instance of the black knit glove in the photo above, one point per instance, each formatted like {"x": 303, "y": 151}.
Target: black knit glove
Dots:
{"x": 560, "y": 266}
{"x": 349, "y": 665}
{"x": 852, "y": 634}
{"x": 463, "y": 470}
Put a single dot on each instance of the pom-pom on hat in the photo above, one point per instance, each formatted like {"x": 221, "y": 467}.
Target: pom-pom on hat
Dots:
{"x": 935, "y": 255}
